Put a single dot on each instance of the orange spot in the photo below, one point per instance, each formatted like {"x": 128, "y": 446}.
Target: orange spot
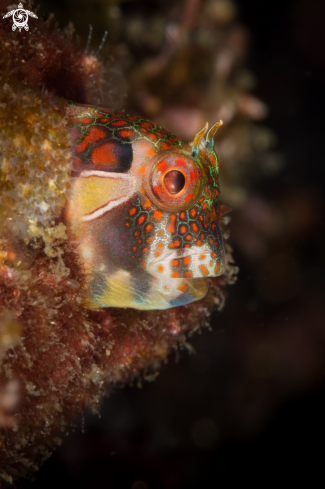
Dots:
{"x": 148, "y": 240}
{"x": 165, "y": 145}
{"x": 137, "y": 233}
{"x": 139, "y": 241}
{"x": 195, "y": 227}
{"x": 119, "y": 123}
{"x": 188, "y": 237}
{"x": 183, "y": 229}
{"x": 175, "y": 275}
{"x": 127, "y": 224}
{"x": 175, "y": 263}
{"x": 133, "y": 211}
{"x": 205, "y": 205}
{"x": 187, "y": 246}
{"x": 182, "y": 288}
{"x": 141, "y": 169}
{"x": 147, "y": 124}
{"x": 214, "y": 254}
{"x": 187, "y": 260}
{"x": 177, "y": 243}
{"x": 94, "y": 134}
{"x": 161, "y": 233}
{"x": 152, "y": 136}
{"x": 160, "y": 268}
{"x": 202, "y": 257}
{"x": 182, "y": 215}
{"x": 85, "y": 121}
{"x": 204, "y": 270}
{"x": 217, "y": 268}
{"x": 104, "y": 155}
{"x": 201, "y": 200}
{"x": 198, "y": 242}
{"x": 141, "y": 220}
{"x": 145, "y": 250}
{"x": 134, "y": 248}
{"x": 148, "y": 228}
{"x": 188, "y": 197}
{"x": 126, "y": 133}
{"x": 147, "y": 204}
{"x": 171, "y": 225}
{"x": 157, "y": 253}
{"x": 160, "y": 245}
{"x": 179, "y": 161}
{"x": 145, "y": 148}
{"x": 188, "y": 274}
{"x": 193, "y": 212}
{"x": 157, "y": 215}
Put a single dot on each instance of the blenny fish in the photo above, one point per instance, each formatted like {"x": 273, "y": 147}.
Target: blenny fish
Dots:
{"x": 143, "y": 210}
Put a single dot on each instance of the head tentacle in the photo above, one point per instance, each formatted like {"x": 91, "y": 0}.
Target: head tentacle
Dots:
{"x": 197, "y": 140}
{"x": 211, "y": 134}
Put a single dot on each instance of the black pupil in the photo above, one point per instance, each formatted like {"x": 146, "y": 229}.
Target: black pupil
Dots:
{"x": 174, "y": 181}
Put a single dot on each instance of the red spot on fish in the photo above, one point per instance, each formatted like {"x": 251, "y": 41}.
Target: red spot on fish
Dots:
{"x": 204, "y": 270}
{"x": 119, "y": 123}
{"x": 148, "y": 228}
{"x": 104, "y": 155}
{"x": 187, "y": 260}
{"x": 141, "y": 219}
{"x": 171, "y": 225}
{"x": 180, "y": 162}
{"x": 195, "y": 227}
{"x": 165, "y": 146}
{"x": 157, "y": 215}
{"x": 93, "y": 135}
{"x": 126, "y": 133}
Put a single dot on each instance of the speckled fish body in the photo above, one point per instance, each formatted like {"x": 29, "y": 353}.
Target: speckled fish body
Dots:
{"x": 144, "y": 211}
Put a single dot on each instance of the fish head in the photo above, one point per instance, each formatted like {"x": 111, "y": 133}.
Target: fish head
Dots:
{"x": 144, "y": 211}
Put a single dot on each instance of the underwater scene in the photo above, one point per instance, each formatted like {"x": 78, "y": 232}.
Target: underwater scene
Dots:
{"x": 162, "y": 315}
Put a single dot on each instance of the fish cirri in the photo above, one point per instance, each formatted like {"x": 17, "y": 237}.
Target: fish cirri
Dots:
{"x": 143, "y": 210}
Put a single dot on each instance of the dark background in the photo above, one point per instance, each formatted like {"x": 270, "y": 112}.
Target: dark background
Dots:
{"x": 250, "y": 404}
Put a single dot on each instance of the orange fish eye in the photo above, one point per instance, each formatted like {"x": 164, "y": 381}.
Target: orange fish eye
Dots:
{"x": 173, "y": 181}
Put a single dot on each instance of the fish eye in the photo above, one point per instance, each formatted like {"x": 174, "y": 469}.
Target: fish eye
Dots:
{"x": 174, "y": 181}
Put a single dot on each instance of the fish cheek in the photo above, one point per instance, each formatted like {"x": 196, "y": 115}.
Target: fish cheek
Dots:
{"x": 112, "y": 241}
